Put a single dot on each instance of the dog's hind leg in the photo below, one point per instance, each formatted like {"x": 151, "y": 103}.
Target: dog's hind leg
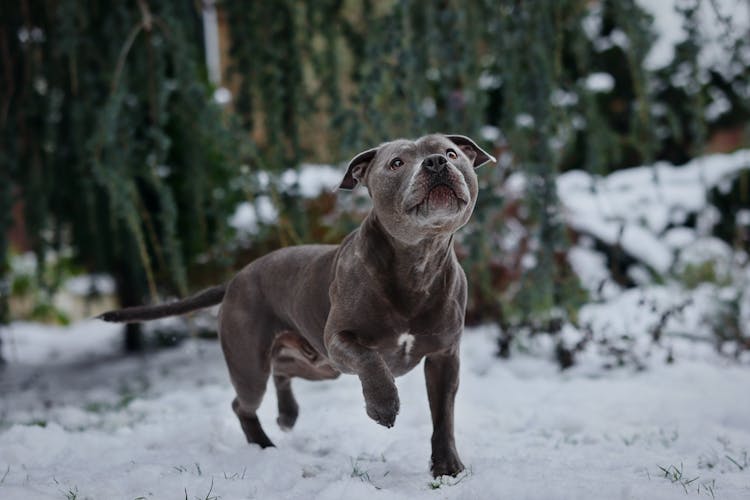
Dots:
{"x": 246, "y": 331}
{"x": 288, "y": 407}
{"x": 254, "y": 432}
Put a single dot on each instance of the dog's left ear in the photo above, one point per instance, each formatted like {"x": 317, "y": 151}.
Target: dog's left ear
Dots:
{"x": 477, "y": 155}
{"x": 357, "y": 168}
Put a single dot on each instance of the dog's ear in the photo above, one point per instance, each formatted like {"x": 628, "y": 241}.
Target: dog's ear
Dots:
{"x": 477, "y": 155}
{"x": 355, "y": 172}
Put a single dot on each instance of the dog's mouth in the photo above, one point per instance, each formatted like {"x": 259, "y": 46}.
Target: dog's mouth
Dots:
{"x": 439, "y": 197}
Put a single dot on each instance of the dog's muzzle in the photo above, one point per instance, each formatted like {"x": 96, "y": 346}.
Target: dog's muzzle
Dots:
{"x": 439, "y": 187}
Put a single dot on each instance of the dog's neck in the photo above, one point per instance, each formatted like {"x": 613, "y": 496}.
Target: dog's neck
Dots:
{"x": 408, "y": 269}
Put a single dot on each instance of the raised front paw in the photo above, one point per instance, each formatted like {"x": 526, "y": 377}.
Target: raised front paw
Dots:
{"x": 381, "y": 400}
{"x": 446, "y": 464}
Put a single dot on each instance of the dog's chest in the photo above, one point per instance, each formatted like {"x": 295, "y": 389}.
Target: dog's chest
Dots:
{"x": 402, "y": 353}
{"x": 405, "y": 344}
{"x": 405, "y": 350}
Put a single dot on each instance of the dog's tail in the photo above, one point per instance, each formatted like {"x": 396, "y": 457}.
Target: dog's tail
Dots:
{"x": 204, "y": 298}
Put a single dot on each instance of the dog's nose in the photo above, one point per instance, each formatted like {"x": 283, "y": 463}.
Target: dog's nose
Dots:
{"x": 435, "y": 163}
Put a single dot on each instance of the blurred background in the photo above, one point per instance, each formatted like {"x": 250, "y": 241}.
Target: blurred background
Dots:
{"x": 150, "y": 149}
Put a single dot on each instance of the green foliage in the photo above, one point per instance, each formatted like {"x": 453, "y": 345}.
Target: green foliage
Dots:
{"x": 693, "y": 274}
{"x": 117, "y": 148}
{"x": 46, "y": 312}
{"x": 728, "y": 324}
{"x": 122, "y": 154}
{"x": 24, "y": 278}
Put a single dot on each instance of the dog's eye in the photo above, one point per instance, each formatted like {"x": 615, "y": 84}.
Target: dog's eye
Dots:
{"x": 396, "y": 163}
{"x": 451, "y": 154}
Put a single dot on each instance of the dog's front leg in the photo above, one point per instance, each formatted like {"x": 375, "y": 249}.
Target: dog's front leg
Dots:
{"x": 441, "y": 374}
{"x": 378, "y": 386}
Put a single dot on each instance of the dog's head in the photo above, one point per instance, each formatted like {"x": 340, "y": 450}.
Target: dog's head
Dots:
{"x": 420, "y": 188}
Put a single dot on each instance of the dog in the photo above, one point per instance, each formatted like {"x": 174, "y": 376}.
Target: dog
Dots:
{"x": 391, "y": 294}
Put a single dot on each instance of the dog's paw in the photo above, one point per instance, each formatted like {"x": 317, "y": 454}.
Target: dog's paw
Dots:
{"x": 288, "y": 411}
{"x": 381, "y": 402}
{"x": 446, "y": 465}
{"x": 286, "y": 421}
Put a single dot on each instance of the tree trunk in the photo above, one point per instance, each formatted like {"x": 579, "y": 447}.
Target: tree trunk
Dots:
{"x": 129, "y": 294}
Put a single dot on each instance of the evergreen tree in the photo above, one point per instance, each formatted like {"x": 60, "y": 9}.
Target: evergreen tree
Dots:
{"x": 112, "y": 139}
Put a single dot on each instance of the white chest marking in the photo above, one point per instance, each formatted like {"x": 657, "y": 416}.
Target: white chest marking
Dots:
{"x": 406, "y": 342}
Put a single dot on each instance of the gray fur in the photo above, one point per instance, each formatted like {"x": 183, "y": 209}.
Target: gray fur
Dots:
{"x": 391, "y": 294}
{"x": 204, "y": 298}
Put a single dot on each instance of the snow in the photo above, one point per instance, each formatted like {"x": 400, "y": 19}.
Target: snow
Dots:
{"x": 719, "y": 105}
{"x": 317, "y": 179}
{"x": 312, "y": 180}
{"x": 636, "y": 206}
{"x": 309, "y": 181}
{"x": 668, "y": 28}
{"x": 524, "y": 120}
{"x": 222, "y": 95}
{"x": 86, "y": 284}
{"x": 247, "y": 216}
{"x": 489, "y": 81}
{"x": 600, "y": 82}
{"x": 717, "y": 39}
{"x": 428, "y": 107}
{"x": 691, "y": 285}
{"x": 490, "y": 133}
{"x": 636, "y": 312}
{"x": 591, "y": 268}
{"x": 561, "y": 98}
{"x": 77, "y": 416}
{"x": 679, "y": 237}
{"x": 707, "y": 250}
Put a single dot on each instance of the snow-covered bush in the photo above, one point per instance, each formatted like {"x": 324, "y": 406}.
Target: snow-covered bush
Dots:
{"x": 660, "y": 281}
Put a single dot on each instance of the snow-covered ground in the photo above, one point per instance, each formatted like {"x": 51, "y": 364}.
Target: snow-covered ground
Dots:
{"x": 80, "y": 420}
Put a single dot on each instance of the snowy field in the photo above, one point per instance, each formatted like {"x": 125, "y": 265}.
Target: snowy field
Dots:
{"x": 80, "y": 420}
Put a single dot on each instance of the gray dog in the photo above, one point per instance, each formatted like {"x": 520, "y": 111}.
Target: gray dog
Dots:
{"x": 389, "y": 295}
